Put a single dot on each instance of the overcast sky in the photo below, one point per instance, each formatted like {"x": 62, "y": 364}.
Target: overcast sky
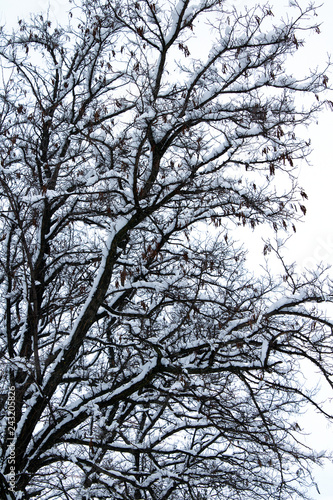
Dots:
{"x": 314, "y": 239}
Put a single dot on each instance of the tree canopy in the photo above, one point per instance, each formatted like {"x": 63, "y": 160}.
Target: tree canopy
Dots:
{"x": 146, "y": 361}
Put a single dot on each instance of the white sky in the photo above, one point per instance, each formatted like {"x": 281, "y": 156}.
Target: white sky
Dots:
{"x": 313, "y": 241}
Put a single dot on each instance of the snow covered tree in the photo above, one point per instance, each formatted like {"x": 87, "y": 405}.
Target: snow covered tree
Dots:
{"x": 144, "y": 360}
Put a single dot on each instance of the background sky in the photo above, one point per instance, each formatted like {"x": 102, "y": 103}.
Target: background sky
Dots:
{"x": 313, "y": 241}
